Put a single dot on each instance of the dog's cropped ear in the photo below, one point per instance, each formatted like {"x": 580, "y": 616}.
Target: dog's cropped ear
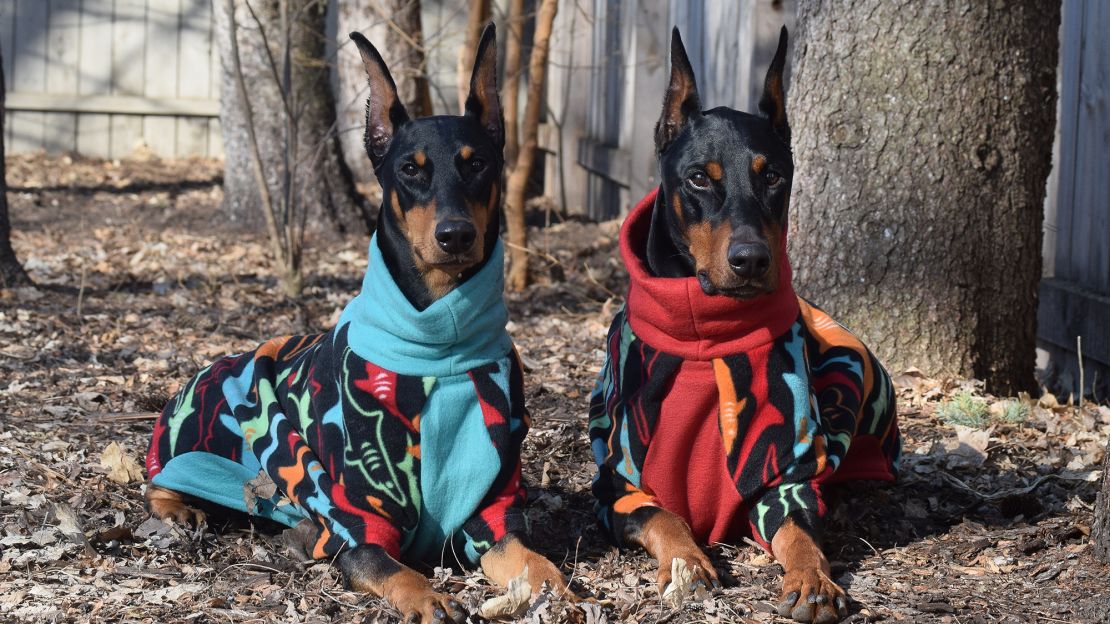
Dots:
{"x": 773, "y": 102}
{"x": 483, "y": 103}
{"x": 384, "y": 110}
{"x": 681, "y": 102}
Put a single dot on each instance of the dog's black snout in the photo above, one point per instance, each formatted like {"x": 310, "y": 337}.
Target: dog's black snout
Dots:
{"x": 455, "y": 236}
{"x": 749, "y": 260}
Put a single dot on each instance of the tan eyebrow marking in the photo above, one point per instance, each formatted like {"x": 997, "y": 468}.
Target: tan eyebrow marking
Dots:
{"x": 466, "y": 152}
{"x": 758, "y": 163}
{"x": 713, "y": 168}
{"x": 420, "y": 158}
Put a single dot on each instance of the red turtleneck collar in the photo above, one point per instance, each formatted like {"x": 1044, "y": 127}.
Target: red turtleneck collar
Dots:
{"x": 675, "y": 316}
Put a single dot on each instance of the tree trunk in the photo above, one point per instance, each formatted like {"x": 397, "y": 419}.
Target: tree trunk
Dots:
{"x": 923, "y": 139}
{"x": 352, "y": 90}
{"x": 11, "y": 271}
{"x": 323, "y": 177}
{"x": 522, "y": 168}
{"x": 477, "y": 16}
{"x": 404, "y": 53}
{"x": 510, "y": 102}
{"x": 1100, "y": 532}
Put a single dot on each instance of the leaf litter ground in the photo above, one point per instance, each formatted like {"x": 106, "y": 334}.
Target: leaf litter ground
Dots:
{"x": 142, "y": 282}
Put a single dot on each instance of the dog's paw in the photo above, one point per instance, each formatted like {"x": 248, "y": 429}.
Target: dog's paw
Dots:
{"x": 429, "y": 607}
{"x": 701, "y": 570}
{"x": 811, "y": 596}
{"x": 170, "y": 506}
{"x": 541, "y": 571}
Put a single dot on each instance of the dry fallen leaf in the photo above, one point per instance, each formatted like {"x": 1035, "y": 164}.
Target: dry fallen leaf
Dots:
{"x": 678, "y": 590}
{"x": 122, "y": 468}
{"x": 512, "y": 603}
{"x": 261, "y": 486}
{"x": 70, "y": 526}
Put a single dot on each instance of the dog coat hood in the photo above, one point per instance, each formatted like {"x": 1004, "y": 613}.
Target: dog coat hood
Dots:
{"x": 399, "y": 427}
{"x": 732, "y": 414}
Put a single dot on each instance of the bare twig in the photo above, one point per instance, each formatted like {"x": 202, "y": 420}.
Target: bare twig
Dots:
{"x": 252, "y": 138}
{"x": 522, "y": 168}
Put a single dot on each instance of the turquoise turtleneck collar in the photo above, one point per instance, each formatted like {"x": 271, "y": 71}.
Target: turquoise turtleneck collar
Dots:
{"x": 460, "y": 331}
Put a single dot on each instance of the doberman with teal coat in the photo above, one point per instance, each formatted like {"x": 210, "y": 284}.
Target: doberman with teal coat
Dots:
{"x": 396, "y": 435}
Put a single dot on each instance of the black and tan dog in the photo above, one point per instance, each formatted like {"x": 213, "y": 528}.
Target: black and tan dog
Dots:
{"x": 727, "y": 404}
{"x": 396, "y": 435}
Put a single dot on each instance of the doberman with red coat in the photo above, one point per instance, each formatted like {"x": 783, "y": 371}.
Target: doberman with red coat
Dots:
{"x": 728, "y": 405}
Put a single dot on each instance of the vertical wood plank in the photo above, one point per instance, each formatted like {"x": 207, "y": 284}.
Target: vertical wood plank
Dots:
{"x": 196, "y": 77}
{"x": 94, "y": 135}
{"x": 215, "y": 139}
{"x": 721, "y": 54}
{"x": 7, "y": 48}
{"x": 160, "y": 80}
{"x": 94, "y": 75}
{"x": 649, "y": 70}
{"x": 62, "y": 49}
{"x": 94, "y": 63}
{"x": 59, "y": 132}
{"x": 1071, "y": 49}
{"x": 27, "y": 129}
{"x": 28, "y": 71}
{"x": 128, "y": 71}
{"x": 192, "y": 136}
{"x": 1092, "y": 196}
{"x": 568, "y": 100}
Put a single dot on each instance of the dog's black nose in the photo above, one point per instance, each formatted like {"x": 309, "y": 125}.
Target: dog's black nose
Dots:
{"x": 455, "y": 236}
{"x": 749, "y": 260}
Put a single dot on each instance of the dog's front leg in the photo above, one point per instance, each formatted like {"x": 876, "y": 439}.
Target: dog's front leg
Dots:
{"x": 369, "y": 568}
{"x": 508, "y": 559}
{"x": 667, "y": 537}
{"x": 808, "y": 592}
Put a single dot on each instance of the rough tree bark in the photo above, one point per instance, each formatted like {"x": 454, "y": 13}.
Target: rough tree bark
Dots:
{"x": 922, "y": 141}
{"x": 522, "y": 168}
{"x": 366, "y": 18}
{"x": 510, "y": 100}
{"x": 404, "y": 52}
{"x": 1100, "y": 532}
{"x": 328, "y": 187}
{"x": 476, "y": 17}
{"x": 11, "y": 271}
{"x": 351, "y": 88}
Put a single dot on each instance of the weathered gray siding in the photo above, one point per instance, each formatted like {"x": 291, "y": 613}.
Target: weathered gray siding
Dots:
{"x": 101, "y": 77}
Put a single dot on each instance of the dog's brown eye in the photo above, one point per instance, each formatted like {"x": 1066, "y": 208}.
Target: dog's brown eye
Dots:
{"x": 698, "y": 180}
{"x": 477, "y": 164}
{"x": 771, "y": 178}
{"x": 409, "y": 169}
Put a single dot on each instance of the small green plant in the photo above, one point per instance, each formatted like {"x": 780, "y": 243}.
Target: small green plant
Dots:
{"x": 964, "y": 409}
{"x": 1015, "y": 412}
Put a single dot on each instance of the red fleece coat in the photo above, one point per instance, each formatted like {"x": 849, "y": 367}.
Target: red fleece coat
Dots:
{"x": 732, "y": 414}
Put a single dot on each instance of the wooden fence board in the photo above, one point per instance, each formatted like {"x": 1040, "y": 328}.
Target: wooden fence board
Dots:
{"x": 94, "y": 75}
{"x": 162, "y": 33}
{"x": 62, "y": 50}
{"x": 1092, "y": 193}
{"x": 29, "y": 45}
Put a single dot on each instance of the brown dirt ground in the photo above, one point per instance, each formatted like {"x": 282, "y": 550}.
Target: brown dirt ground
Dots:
{"x": 142, "y": 282}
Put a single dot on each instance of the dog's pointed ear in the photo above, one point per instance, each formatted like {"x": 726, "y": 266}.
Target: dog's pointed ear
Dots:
{"x": 384, "y": 111}
{"x": 681, "y": 102}
{"x": 773, "y": 102}
{"x": 483, "y": 103}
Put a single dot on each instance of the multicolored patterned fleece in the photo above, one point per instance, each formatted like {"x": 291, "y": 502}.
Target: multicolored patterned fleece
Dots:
{"x": 399, "y": 427}
{"x": 732, "y": 414}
